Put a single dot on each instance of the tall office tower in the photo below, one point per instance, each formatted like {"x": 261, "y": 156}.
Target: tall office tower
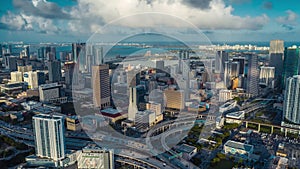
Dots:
{"x": 16, "y": 76}
{"x": 252, "y": 74}
{"x": 50, "y": 53}
{"x": 160, "y": 65}
{"x": 49, "y": 136}
{"x": 100, "y": 57}
{"x": 235, "y": 68}
{"x": 227, "y": 72}
{"x": 291, "y": 106}
{"x": 10, "y": 62}
{"x": 34, "y": 79}
{"x": 76, "y": 49}
{"x": 276, "y": 46}
{"x": 93, "y": 156}
{"x": 10, "y": 49}
{"x": 69, "y": 70}
{"x": 24, "y": 69}
{"x": 276, "y": 54}
{"x": 221, "y": 58}
{"x": 174, "y": 99}
{"x": 133, "y": 78}
{"x": 63, "y": 56}
{"x": 27, "y": 53}
{"x": 101, "y": 86}
{"x": 266, "y": 76}
{"x": 241, "y": 61}
{"x": 54, "y": 69}
{"x": 41, "y": 53}
{"x": 291, "y": 62}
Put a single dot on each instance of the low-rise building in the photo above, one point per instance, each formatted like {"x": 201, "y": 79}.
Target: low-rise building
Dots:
{"x": 16, "y": 116}
{"x": 93, "y": 156}
{"x": 144, "y": 120}
{"x": 188, "y": 152}
{"x": 113, "y": 115}
{"x": 225, "y": 95}
{"x": 238, "y": 149}
{"x": 73, "y": 123}
{"x": 227, "y": 106}
{"x": 49, "y": 91}
{"x": 235, "y": 117}
{"x": 30, "y": 105}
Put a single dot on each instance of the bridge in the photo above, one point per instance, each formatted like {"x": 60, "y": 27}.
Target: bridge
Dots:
{"x": 272, "y": 126}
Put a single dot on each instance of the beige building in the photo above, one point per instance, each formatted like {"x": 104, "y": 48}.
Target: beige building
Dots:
{"x": 16, "y": 76}
{"x": 73, "y": 123}
{"x": 156, "y": 108}
{"x": 174, "y": 99}
{"x": 26, "y": 68}
{"x": 101, "y": 86}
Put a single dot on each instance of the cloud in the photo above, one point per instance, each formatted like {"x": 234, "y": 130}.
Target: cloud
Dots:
{"x": 11, "y": 21}
{"x": 41, "y": 8}
{"x": 89, "y": 16}
{"x": 289, "y": 21}
{"x": 205, "y": 14}
{"x": 23, "y": 22}
{"x": 201, "y": 4}
{"x": 268, "y": 5}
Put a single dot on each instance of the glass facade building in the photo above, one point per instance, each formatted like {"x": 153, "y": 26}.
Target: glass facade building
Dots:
{"x": 291, "y": 62}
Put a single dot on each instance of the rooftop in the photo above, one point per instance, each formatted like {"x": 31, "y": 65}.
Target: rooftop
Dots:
{"x": 186, "y": 148}
{"x": 235, "y": 114}
{"x": 47, "y": 116}
{"x": 50, "y": 85}
{"x": 238, "y": 145}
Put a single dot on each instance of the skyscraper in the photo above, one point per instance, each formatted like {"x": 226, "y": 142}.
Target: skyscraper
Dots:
{"x": 221, "y": 58}
{"x": 101, "y": 86}
{"x": 276, "y": 54}
{"x": 235, "y": 68}
{"x": 49, "y": 136}
{"x": 132, "y": 107}
{"x": 276, "y": 46}
{"x": 291, "y": 106}
{"x": 252, "y": 74}
{"x": 76, "y": 49}
{"x": 136, "y": 96}
{"x": 241, "y": 61}
{"x": 54, "y": 69}
{"x": 34, "y": 79}
{"x": 69, "y": 70}
{"x": 227, "y": 72}
{"x": 266, "y": 76}
{"x": 291, "y": 62}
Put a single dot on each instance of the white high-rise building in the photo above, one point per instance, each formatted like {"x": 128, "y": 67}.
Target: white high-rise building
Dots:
{"x": 266, "y": 76}
{"x": 291, "y": 106}
{"x": 133, "y": 101}
{"x": 49, "y": 136}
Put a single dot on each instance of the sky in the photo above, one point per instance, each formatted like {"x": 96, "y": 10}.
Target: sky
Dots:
{"x": 216, "y": 20}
